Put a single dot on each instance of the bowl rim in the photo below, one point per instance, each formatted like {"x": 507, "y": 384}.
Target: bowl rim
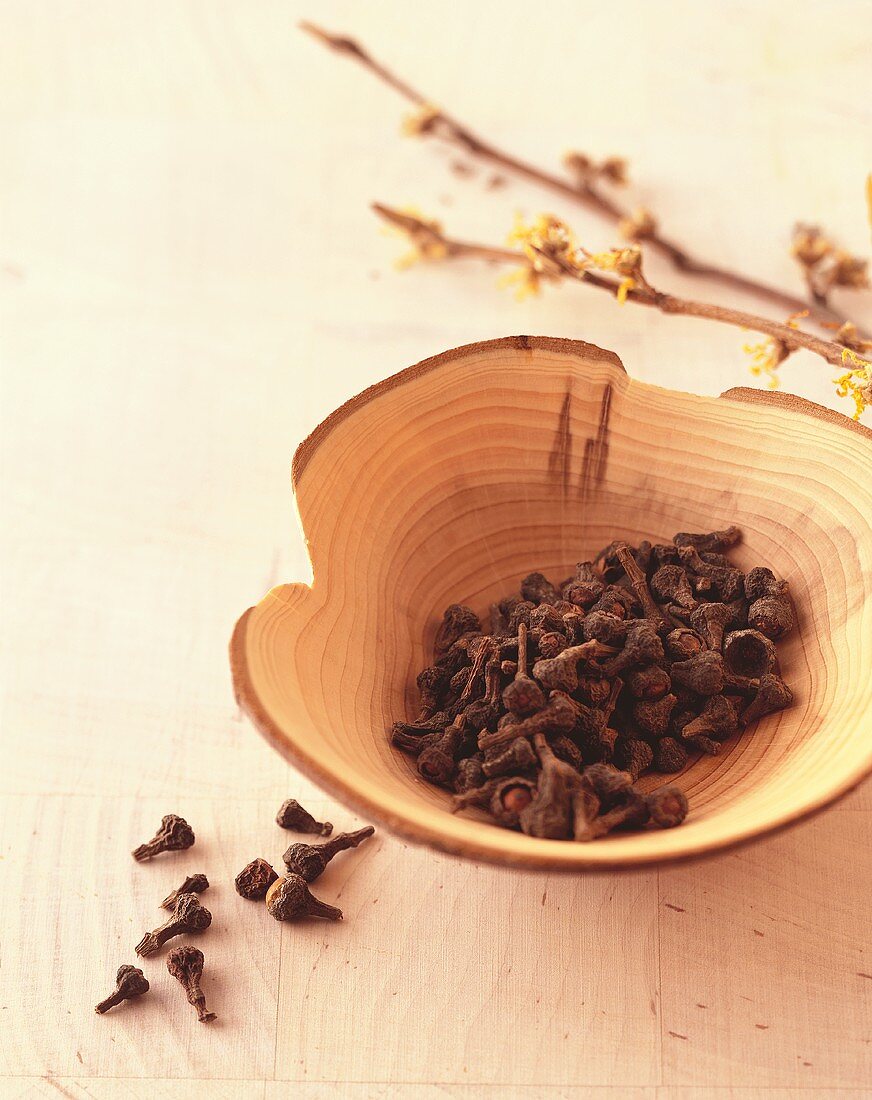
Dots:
{"x": 249, "y": 701}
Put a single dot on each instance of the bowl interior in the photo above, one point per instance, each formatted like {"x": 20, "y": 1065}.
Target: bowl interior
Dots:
{"x": 451, "y": 481}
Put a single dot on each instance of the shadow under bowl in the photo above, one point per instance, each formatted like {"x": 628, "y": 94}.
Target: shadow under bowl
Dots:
{"x": 453, "y": 479}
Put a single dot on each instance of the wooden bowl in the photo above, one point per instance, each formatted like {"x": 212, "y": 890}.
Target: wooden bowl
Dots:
{"x": 451, "y": 480}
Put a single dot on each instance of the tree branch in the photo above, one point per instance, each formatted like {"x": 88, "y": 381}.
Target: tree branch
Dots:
{"x": 586, "y": 193}
{"x": 432, "y": 242}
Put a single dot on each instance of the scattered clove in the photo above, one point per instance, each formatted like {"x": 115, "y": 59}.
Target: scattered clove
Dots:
{"x": 188, "y": 916}
{"x": 748, "y": 653}
{"x": 173, "y": 835}
{"x": 289, "y": 898}
{"x": 193, "y": 884}
{"x": 130, "y": 982}
{"x": 185, "y": 963}
{"x": 255, "y": 879}
{"x": 292, "y": 816}
{"x": 309, "y": 861}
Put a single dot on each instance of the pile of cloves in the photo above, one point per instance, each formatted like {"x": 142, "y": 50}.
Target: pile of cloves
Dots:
{"x": 645, "y": 656}
{"x": 287, "y": 898}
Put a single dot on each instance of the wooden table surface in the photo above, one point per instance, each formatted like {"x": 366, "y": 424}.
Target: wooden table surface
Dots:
{"x": 190, "y": 280}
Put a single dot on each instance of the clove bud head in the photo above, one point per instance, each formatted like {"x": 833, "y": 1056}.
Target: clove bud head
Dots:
{"x": 289, "y": 898}
{"x": 130, "y": 982}
{"x": 173, "y": 835}
{"x": 255, "y": 879}
{"x": 292, "y": 816}
{"x": 667, "y": 807}
{"x": 189, "y": 916}
{"x": 193, "y": 884}
{"x": 309, "y": 861}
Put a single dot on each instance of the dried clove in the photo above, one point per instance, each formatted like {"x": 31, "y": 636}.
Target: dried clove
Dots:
{"x": 523, "y": 696}
{"x": 760, "y": 582}
{"x": 593, "y": 690}
{"x": 748, "y": 653}
{"x": 718, "y": 720}
{"x": 651, "y": 682}
{"x": 552, "y": 643}
{"x": 432, "y": 682}
{"x": 630, "y": 813}
{"x": 185, "y": 963}
{"x": 557, "y": 716}
{"x": 504, "y": 798}
{"x": 610, "y": 784}
{"x": 189, "y": 916}
{"x": 667, "y": 806}
{"x": 309, "y": 861}
{"x": 565, "y": 749}
{"x": 289, "y": 898}
{"x": 130, "y": 982}
{"x": 255, "y": 879}
{"x": 602, "y": 627}
{"x": 561, "y": 672}
{"x": 511, "y": 759}
{"x": 669, "y": 755}
{"x": 771, "y": 615}
{"x": 711, "y": 541}
{"x": 470, "y": 774}
{"x": 670, "y": 585}
{"x": 550, "y": 812}
{"x": 703, "y": 674}
{"x": 546, "y": 618}
{"x": 292, "y": 816}
{"x": 728, "y": 583}
{"x": 651, "y": 716}
{"x": 642, "y": 647}
{"x": 617, "y": 601}
{"x": 585, "y": 588}
{"x": 710, "y": 620}
{"x": 537, "y": 589}
{"x": 520, "y": 615}
{"x": 633, "y": 756}
{"x": 457, "y": 621}
{"x": 174, "y": 835}
{"x": 683, "y": 643}
{"x": 773, "y": 694}
{"x": 437, "y": 762}
{"x": 193, "y": 884}
{"x": 638, "y": 580}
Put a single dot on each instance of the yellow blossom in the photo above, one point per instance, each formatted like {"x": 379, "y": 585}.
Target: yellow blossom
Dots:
{"x": 769, "y": 354}
{"x": 623, "y": 261}
{"x": 766, "y": 358}
{"x": 421, "y": 120}
{"x": 424, "y": 234}
{"x": 856, "y": 383}
{"x": 547, "y": 245}
{"x": 525, "y": 279}
{"x": 547, "y": 237}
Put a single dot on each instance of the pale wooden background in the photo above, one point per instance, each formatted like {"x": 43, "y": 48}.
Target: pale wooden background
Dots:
{"x": 190, "y": 280}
